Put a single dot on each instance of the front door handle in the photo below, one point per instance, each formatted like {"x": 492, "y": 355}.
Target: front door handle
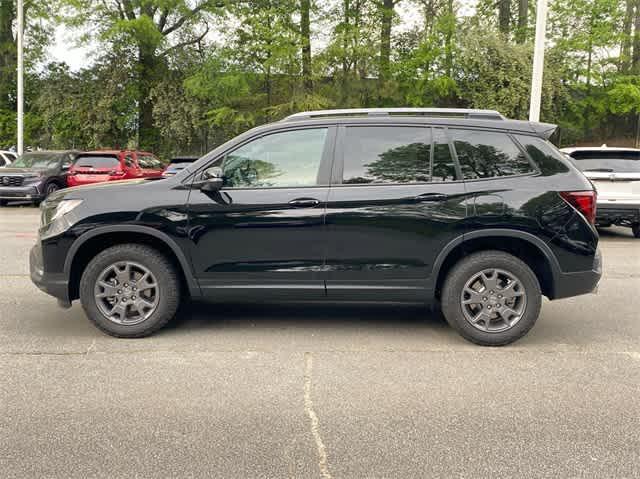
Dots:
{"x": 304, "y": 202}
{"x": 431, "y": 197}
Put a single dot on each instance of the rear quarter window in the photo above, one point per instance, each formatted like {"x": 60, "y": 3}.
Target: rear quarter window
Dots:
{"x": 548, "y": 158}
{"x": 486, "y": 154}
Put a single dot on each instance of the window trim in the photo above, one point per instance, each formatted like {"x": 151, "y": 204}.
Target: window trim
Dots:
{"x": 535, "y": 169}
{"x": 324, "y": 168}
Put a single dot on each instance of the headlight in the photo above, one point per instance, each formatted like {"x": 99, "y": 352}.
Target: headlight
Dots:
{"x": 32, "y": 178}
{"x": 57, "y": 216}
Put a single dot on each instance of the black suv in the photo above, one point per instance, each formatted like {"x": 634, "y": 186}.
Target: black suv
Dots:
{"x": 458, "y": 207}
{"x": 35, "y": 175}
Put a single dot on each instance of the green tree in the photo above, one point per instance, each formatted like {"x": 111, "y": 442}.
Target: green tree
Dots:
{"x": 156, "y": 29}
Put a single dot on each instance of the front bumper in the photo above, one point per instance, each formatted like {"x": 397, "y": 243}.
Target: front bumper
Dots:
{"x": 581, "y": 282}
{"x": 30, "y": 192}
{"x": 609, "y": 213}
{"x": 56, "y": 284}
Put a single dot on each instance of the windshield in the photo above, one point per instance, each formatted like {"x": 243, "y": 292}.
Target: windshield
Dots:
{"x": 97, "y": 161}
{"x": 37, "y": 160}
{"x": 607, "y": 161}
{"x": 177, "y": 166}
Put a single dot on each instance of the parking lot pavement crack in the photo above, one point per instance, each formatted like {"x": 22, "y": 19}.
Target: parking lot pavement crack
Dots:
{"x": 313, "y": 418}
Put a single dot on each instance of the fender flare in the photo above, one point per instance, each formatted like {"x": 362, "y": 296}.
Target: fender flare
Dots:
{"x": 543, "y": 247}
{"x": 192, "y": 284}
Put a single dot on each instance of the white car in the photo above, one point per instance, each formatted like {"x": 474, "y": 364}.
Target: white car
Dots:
{"x": 615, "y": 172}
{"x": 7, "y": 157}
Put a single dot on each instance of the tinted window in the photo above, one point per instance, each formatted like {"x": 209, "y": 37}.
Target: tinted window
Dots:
{"x": 484, "y": 154}
{"x": 443, "y": 165}
{"x": 106, "y": 161}
{"x": 288, "y": 159}
{"x": 545, "y": 155}
{"x": 381, "y": 154}
{"x": 607, "y": 161}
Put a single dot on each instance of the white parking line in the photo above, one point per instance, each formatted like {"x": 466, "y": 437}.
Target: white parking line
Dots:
{"x": 308, "y": 407}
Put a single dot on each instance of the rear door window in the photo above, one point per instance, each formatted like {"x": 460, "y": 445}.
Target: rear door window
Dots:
{"x": 486, "y": 154}
{"x": 96, "y": 161}
{"x": 386, "y": 154}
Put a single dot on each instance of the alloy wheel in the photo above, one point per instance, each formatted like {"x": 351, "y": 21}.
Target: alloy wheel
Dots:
{"x": 126, "y": 293}
{"x": 493, "y": 300}
{"x": 51, "y": 188}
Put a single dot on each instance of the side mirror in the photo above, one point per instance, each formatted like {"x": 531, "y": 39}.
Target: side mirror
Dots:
{"x": 212, "y": 179}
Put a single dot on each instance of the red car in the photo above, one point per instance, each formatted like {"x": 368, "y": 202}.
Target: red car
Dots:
{"x": 108, "y": 165}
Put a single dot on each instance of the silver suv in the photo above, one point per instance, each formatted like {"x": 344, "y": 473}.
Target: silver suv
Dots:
{"x": 615, "y": 172}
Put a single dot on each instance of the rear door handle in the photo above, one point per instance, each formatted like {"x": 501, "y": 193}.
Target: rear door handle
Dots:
{"x": 304, "y": 202}
{"x": 431, "y": 197}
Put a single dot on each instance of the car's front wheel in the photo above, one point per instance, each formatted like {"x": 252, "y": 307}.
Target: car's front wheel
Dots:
{"x": 635, "y": 228}
{"x": 491, "y": 298}
{"x": 130, "y": 290}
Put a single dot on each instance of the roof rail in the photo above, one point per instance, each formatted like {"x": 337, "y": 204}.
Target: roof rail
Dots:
{"x": 433, "y": 112}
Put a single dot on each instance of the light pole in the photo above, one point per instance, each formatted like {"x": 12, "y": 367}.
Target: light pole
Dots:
{"x": 538, "y": 61}
{"x": 20, "y": 77}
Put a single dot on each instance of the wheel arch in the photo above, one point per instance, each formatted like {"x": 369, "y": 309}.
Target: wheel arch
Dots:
{"x": 525, "y": 246}
{"x": 91, "y": 243}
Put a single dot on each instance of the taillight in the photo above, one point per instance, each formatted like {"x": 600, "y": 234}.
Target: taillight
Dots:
{"x": 583, "y": 201}
{"x": 72, "y": 173}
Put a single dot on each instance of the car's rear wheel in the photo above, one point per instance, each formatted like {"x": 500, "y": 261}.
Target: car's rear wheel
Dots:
{"x": 130, "y": 290}
{"x": 491, "y": 298}
{"x": 635, "y": 228}
{"x": 3, "y": 202}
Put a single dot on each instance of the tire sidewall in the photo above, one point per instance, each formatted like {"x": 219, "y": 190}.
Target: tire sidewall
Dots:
{"x": 461, "y": 273}
{"x": 168, "y": 290}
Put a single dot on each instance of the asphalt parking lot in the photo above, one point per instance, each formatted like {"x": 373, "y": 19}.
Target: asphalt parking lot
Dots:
{"x": 318, "y": 391}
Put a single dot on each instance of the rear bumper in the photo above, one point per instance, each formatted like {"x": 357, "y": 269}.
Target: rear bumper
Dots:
{"x": 56, "y": 285}
{"x": 607, "y": 213}
{"x": 30, "y": 192}
{"x": 74, "y": 181}
{"x": 581, "y": 282}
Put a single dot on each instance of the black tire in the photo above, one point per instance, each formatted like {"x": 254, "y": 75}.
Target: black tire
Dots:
{"x": 51, "y": 188}
{"x": 3, "y": 202}
{"x": 167, "y": 281}
{"x": 635, "y": 228}
{"x": 471, "y": 265}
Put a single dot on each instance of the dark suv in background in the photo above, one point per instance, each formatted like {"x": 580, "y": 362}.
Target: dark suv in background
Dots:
{"x": 459, "y": 207}
{"x": 35, "y": 175}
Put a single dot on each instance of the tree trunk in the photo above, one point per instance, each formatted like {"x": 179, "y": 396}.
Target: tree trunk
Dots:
{"x": 625, "y": 46}
{"x": 449, "y": 39}
{"x": 305, "y": 32}
{"x": 635, "y": 59}
{"x": 523, "y": 18}
{"x": 504, "y": 16}
{"x": 385, "y": 39}
{"x": 147, "y": 69}
{"x": 8, "y": 60}
{"x": 345, "y": 43}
